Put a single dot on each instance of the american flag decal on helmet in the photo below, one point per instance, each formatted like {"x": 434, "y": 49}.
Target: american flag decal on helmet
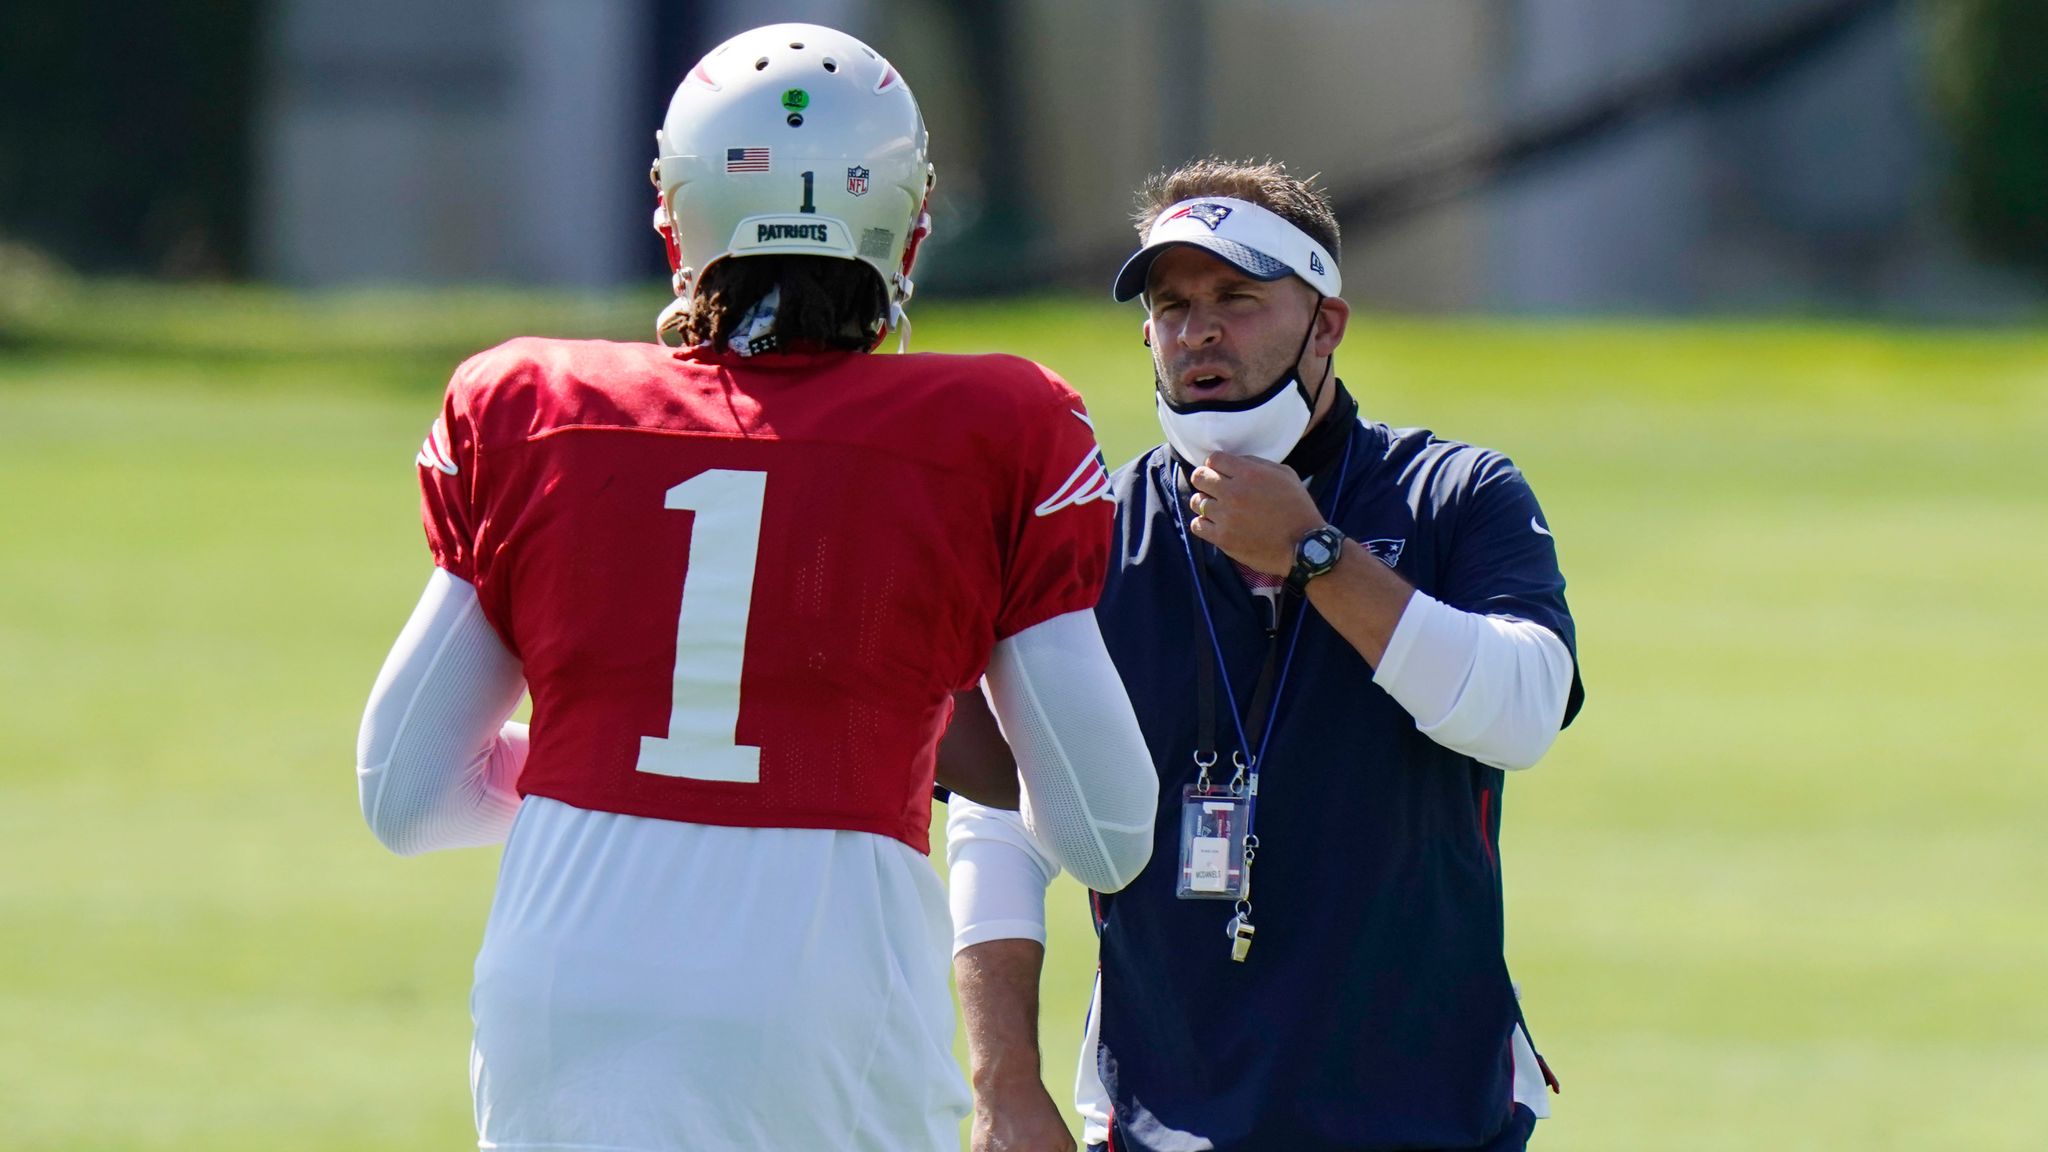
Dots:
{"x": 1088, "y": 481}
{"x": 434, "y": 452}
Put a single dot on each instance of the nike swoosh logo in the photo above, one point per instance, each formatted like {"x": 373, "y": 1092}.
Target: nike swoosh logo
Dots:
{"x": 1540, "y": 529}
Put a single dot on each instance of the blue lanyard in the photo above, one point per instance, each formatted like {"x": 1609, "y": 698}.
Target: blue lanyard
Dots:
{"x": 1247, "y": 775}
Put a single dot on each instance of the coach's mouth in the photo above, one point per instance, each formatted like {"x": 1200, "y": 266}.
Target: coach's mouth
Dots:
{"x": 1204, "y": 384}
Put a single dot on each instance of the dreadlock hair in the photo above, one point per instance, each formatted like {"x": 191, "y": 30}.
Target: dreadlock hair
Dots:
{"x": 1262, "y": 182}
{"x": 826, "y": 302}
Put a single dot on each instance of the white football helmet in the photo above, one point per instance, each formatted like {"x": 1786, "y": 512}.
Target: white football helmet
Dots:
{"x": 792, "y": 139}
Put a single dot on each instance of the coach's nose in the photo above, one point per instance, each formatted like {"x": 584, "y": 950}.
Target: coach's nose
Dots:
{"x": 1201, "y": 325}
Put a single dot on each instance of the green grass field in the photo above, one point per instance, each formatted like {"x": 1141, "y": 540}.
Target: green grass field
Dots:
{"x": 1781, "y": 887}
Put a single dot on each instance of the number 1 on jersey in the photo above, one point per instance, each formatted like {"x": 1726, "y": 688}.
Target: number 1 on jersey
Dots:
{"x": 711, "y": 632}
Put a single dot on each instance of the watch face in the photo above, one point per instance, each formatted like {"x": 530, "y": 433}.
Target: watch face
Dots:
{"x": 1316, "y": 551}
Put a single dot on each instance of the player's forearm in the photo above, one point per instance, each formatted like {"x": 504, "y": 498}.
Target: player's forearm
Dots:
{"x": 1362, "y": 599}
{"x": 437, "y": 764}
{"x": 998, "y": 983}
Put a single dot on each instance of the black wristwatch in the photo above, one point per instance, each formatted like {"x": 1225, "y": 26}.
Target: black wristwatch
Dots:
{"x": 1315, "y": 554}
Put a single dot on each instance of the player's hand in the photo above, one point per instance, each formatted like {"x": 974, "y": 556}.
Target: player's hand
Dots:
{"x": 1253, "y": 509}
{"x": 1020, "y": 1117}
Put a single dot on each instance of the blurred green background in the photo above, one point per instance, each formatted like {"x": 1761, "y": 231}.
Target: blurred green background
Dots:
{"x": 1778, "y": 887}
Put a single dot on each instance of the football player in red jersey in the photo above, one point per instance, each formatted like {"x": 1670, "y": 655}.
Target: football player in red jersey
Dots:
{"x": 742, "y": 581}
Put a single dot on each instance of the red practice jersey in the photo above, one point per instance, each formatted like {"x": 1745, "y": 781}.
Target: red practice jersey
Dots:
{"x": 745, "y": 590}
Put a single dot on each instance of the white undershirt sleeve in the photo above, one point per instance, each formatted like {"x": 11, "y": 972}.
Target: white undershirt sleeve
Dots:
{"x": 436, "y": 759}
{"x": 1491, "y": 687}
{"x": 1089, "y": 792}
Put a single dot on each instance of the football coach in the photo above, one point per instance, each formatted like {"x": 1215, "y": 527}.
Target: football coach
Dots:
{"x": 1338, "y": 638}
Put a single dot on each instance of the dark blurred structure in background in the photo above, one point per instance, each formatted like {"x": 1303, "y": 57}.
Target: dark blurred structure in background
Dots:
{"x": 1993, "y": 80}
{"x": 125, "y": 140}
{"x": 1511, "y": 155}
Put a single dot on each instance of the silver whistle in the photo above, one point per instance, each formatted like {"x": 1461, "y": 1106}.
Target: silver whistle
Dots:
{"x": 1240, "y": 930}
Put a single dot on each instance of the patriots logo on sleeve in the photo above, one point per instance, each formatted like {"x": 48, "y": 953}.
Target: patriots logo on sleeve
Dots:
{"x": 435, "y": 452}
{"x": 1088, "y": 481}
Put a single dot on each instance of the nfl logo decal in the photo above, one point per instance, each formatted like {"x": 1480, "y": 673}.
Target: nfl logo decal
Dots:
{"x": 857, "y": 181}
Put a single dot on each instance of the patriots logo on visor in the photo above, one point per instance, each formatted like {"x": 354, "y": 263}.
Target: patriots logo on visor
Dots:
{"x": 1211, "y": 214}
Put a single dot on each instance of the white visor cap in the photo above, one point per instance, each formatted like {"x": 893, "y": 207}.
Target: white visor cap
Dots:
{"x": 1254, "y": 240}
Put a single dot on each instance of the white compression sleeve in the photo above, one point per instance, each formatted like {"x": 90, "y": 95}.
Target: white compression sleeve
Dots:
{"x": 996, "y": 876}
{"x": 1089, "y": 792}
{"x": 1491, "y": 687}
{"x": 436, "y": 760}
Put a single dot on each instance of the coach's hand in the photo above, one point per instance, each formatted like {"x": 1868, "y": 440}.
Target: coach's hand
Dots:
{"x": 1253, "y": 509}
{"x": 1019, "y": 1117}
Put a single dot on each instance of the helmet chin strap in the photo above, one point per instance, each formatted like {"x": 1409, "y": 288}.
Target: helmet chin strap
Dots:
{"x": 920, "y": 231}
{"x": 677, "y": 310}
{"x": 671, "y": 320}
{"x": 900, "y": 320}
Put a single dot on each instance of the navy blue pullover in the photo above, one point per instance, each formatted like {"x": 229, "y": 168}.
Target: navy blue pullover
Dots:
{"x": 1374, "y": 1011}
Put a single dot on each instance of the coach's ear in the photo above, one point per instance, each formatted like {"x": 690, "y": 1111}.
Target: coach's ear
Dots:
{"x": 1148, "y": 333}
{"x": 974, "y": 759}
{"x": 1333, "y": 315}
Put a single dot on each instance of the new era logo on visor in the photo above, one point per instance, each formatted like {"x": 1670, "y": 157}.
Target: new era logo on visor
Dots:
{"x": 1315, "y": 264}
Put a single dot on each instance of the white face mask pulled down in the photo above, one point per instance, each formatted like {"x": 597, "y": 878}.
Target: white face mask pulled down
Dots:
{"x": 1267, "y": 425}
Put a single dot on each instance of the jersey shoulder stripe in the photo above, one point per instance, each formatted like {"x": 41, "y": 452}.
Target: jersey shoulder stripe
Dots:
{"x": 435, "y": 452}
{"x": 1087, "y": 482}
